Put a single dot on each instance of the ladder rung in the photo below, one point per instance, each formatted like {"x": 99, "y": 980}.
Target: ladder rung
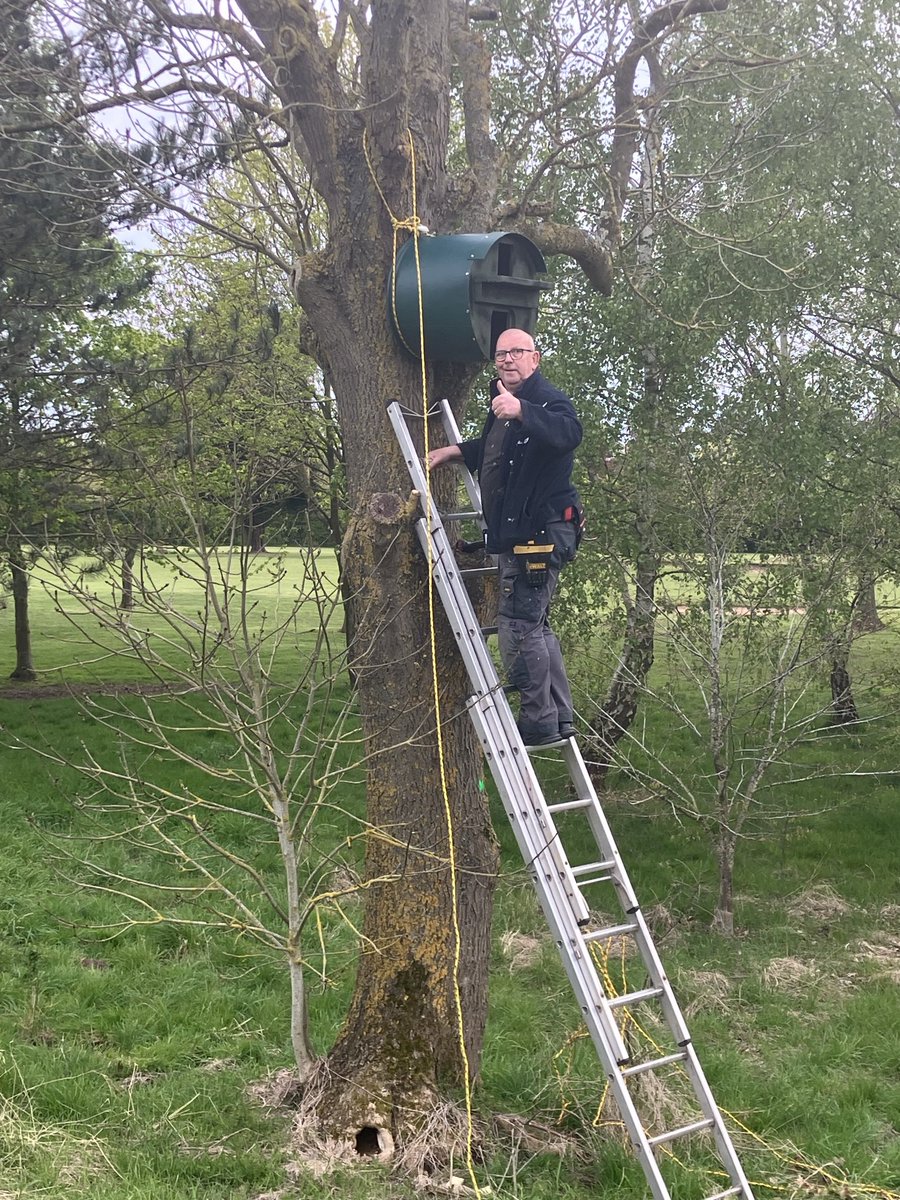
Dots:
{"x": 586, "y": 868}
{"x": 662, "y": 1138}
{"x": 478, "y": 570}
{"x": 567, "y": 806}
{"x": 487, "y": 630}
{"x": 652, "y": 1065}
{"x": 613, "y": 931}
{"x": 732, "y": 1191}
{"x": 597, "y": 879}
{"x": 459, "y": 516}
{"x": 635, "y": 997}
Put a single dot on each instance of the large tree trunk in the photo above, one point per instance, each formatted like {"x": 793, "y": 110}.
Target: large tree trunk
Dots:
{"x": 624, "y": 692}
{"x": 866, "y": 618}
{"x": 843, "y": 706}
{"x": 24, "y": 668}
{"x": 400, "y": 1043}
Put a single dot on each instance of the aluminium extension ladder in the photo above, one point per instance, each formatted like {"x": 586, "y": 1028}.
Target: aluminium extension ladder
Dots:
{"x": 559, "y": 885}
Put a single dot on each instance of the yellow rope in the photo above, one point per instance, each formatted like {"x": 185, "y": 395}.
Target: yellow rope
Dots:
{"x": 414, "y": 226}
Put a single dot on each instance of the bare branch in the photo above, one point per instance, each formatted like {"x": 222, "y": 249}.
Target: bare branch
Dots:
{"x": 625, "y": 139}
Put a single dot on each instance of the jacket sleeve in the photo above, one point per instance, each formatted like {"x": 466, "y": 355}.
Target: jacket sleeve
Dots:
{"x": 471, "y": 452}
{"x": 550, "y": 417}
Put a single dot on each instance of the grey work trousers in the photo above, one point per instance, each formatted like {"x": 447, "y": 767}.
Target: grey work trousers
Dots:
{"x": 528, "y": 646}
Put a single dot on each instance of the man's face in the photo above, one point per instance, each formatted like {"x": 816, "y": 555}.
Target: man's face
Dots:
{"x": 514, "y": 369}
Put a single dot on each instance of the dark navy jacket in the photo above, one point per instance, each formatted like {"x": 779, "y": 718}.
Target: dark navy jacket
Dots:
{"x": 538, "y": 457}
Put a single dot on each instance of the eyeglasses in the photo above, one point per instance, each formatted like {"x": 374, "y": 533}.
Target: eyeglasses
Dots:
{"x": 515, "y": 354}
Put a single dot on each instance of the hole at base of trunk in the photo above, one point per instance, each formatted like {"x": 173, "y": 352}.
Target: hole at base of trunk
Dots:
{"x": 370, "y": 1141}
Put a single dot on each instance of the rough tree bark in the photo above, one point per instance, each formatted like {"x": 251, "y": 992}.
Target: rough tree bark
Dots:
{"x": 843, "y": 705}
{"x": 24, "y": 668}
{"x": 866, "y": 618}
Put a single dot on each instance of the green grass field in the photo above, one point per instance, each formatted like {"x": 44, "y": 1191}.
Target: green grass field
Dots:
{"x": 131, "y": 1055}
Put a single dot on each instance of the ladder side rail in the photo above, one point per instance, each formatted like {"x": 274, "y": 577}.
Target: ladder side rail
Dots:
{"x": 506, "y": 754}
{"x": 556, "y": 905}
{"x": 628, "y": 898}
{"x": 448, "y": 420}
{"x": 657, "y": 973}
{"x": 458, "y": 608}
{"x": 414, "y": 463}
{"x": 473, "y": 491}
{"x": 600, "y": 826}
{"x": 721, "y": 1136}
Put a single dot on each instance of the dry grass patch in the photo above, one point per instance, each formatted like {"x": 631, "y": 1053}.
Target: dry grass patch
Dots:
{"x": 709, "y": 990}
{"x": 819, "y": 903}
{"x": 662, "y": 922}
{"x": 790, "y": 975}
{"x": 521, "y": 950}
{"x": 276, "y": 1091}
{"x": 75, "y": 1158}
{"x": 883, "y": 954}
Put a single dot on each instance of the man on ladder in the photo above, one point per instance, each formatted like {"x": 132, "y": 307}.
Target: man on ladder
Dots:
{"x": 533, "y": 520}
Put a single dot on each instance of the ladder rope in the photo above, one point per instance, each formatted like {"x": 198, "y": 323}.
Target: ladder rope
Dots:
{"x": 414, "y": 226}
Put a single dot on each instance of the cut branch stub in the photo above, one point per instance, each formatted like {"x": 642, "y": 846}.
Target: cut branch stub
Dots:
{"x": 387, "y": 508}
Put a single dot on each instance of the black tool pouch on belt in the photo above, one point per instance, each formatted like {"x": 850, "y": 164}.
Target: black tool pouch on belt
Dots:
{"x": 534, "y": 559}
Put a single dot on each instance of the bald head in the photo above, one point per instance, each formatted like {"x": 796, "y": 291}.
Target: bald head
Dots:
{"x": 515, "y": 358}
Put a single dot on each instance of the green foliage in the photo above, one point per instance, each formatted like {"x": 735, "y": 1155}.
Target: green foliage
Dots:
{"x": 63, "y": 285}
{"x": 238, "y": 443}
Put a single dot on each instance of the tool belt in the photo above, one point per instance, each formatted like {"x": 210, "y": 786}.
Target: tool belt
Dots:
{"x": 536, "y": 555}
{"x": 534, "y": 559}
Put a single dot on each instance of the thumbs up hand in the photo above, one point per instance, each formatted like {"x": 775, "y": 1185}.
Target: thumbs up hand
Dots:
{"x": 505, "y": 405}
